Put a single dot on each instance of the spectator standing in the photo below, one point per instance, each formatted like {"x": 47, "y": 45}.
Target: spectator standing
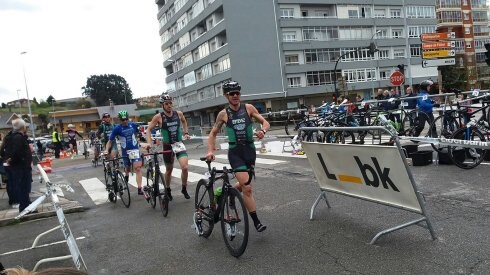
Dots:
{"x": 411, "y": 103}
{"x": 17, "y": 155}
{"x": 425, "y": 105}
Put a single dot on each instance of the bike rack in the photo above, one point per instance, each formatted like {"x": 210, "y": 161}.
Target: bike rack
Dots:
{"x": 323, "y": 194}
{"x": 63, "y": 225}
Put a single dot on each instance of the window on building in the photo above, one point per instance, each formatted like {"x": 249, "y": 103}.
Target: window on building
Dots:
{"x": 288, "y": 36}
{"x": 321, "y": 55}
{"x": 384, "y": 73}
{"x": 468, "y": 45}
{"x": 397, "y": 33}
{"x": 395, "y": 13}
{"x": 353, "y": 13}
{"x": 294, "y": 82}
{"x": 383, "y": 54}
{"x": 399, "y": 53}
{"x": 379, "y": 13}
{"x": 292, "y": 59}
{"x": 467, "y": 30}
{"x": 415, "y": 50}
{"x": 287, "y": 13}
{"x": 317, "y": 78}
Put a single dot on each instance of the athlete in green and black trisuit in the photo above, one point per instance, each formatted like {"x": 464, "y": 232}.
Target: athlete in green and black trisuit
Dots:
{"x": 241, "y": 153}
{"x": 173, "y": 129}
{"x": 104, "y": 132}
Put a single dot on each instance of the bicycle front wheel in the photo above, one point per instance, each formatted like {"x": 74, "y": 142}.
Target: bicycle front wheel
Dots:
{"x": 151, "y": 187}
{"x": 204, "y": 205}
{"x": 467, "y": 158}
{"x": 123, "y": 189}
{"x": 234, "y": 222}
{"x": 164, "y": 199}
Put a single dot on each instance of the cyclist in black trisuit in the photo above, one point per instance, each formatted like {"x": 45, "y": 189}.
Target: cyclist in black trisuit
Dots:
{"x": 237, "y": 118}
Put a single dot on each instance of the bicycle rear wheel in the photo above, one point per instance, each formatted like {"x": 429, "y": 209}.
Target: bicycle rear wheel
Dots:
{"x": 150, "y": 187}
{"x": 123, "y": 189}
{"x": 467, "y": 158}
{"x": 443, "y": 128}
{"x": 204, "y": 205}
{"x": 164, "y": 199}
{"x": 234, "y": 222}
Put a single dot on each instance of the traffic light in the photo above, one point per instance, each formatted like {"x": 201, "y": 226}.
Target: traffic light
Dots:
{"x": 401, "y": 68}
{"x": 372, "y": 49}
{"x": 487, "y": 54}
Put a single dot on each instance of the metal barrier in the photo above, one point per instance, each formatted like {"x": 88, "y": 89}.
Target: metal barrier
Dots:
{"x": 363, "y": 172}
{"x": 63, "y": 225}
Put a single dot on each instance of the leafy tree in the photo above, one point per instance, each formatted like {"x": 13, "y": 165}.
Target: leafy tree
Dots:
{"x": 101, "y": 88}
{"x": 454, "y": 77}
{"x": 43, "y": 117}
{"x": 34, "y": 100}
{"x": 50, "y": 99}
{"x": 4, "y": 105}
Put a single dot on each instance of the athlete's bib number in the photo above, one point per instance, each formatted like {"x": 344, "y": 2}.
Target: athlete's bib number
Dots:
{"x": 178, "y": 147}
{"x": 133, "y": 154}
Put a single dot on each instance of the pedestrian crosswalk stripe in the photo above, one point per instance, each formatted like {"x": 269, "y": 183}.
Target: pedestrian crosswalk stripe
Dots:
{"x": 257, "y": 160}
{"x": 95, "y": 189}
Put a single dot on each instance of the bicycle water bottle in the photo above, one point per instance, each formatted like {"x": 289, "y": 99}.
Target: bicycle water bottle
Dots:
{"x": 217, "y": 194}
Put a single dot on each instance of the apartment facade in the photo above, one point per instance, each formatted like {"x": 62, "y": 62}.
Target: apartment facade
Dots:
{"x": 469, "y": 20}
{"x": 283, "y": 52}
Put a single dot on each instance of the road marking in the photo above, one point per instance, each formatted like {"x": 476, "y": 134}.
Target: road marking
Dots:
{"x": 257, "y": 160}
{"x": 95, "y": 189}
{"x": 284, "y": 154}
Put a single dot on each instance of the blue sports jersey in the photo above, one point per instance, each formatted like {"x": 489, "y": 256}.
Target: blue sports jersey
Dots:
{"x": 127, "y": 136}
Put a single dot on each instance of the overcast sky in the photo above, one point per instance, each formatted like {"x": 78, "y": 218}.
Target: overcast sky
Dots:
{"x": 68, "y": 40}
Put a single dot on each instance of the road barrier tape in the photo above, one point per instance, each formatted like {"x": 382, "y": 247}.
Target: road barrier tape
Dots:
{"x": 450, "y": 142}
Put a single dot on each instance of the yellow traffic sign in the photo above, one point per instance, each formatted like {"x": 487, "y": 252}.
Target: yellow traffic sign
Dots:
{"x": 438, "y": 53}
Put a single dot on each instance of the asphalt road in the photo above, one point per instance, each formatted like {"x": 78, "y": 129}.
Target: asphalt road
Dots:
{"x": 139, "y": 240}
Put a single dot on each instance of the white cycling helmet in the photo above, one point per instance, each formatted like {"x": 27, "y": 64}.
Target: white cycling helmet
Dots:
{"x": 71, "y": 126}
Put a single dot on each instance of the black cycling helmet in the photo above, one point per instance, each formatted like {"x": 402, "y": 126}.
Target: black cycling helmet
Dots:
{"x": 231, "y": 86}
{"x": 426, "y": 83}
{"x": 165, "y": 97}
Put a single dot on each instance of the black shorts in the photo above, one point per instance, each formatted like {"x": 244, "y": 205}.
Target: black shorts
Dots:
{"x": 242, "y": 156}
{"x": 168, "y": 158}
{"x": 73, "y": 142}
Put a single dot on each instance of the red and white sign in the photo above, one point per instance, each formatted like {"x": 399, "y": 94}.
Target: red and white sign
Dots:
{"x": 397, "y": 78}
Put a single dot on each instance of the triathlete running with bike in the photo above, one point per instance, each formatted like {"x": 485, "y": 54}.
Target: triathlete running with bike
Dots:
{"x": 237, "y": 118}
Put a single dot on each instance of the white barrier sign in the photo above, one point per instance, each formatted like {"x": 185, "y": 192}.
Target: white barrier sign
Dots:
{"x": 368, "y": 172}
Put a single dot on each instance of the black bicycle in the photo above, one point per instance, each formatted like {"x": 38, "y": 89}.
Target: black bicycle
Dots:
{"x": 228, "y": 208}
{"x": 153, "y": 178}
{"x": 97, "y": 154}
{"x": 117, "y": 186}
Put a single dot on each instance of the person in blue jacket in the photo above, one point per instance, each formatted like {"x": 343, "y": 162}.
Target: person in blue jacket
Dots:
{"x": 425, "y": 105}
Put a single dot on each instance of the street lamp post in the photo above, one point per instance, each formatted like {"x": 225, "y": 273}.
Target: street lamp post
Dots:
{"x": 372, "y": 50}
{"x": 28, "y": 100}
{"x": 54, "y": 115}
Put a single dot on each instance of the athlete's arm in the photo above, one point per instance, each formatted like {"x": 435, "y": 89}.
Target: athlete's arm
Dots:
{"x": 220, "y": 120}
{"x": 252, "y": 111}
{"x": 184, "y": 124}
{"x": 108, "y": 145}
{"x": 154, "y": 122}
{"x": 79, "y": 134}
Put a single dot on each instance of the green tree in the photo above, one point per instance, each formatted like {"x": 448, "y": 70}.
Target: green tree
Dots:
{"x": 50, "y": 99}
{"x": 454, "y": 77}
{"x": 34, "y": 100}
{"x": 4, "y": 106}
{"x": 101, "y": 88}
{"x": 43, "y": 118}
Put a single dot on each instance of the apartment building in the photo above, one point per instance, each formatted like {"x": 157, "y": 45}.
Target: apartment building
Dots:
{"x": 469, "y": 20}
{"x": 283, "y": 52}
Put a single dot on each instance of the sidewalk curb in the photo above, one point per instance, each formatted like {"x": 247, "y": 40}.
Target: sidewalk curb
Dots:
{"x": 47, "y": 214}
